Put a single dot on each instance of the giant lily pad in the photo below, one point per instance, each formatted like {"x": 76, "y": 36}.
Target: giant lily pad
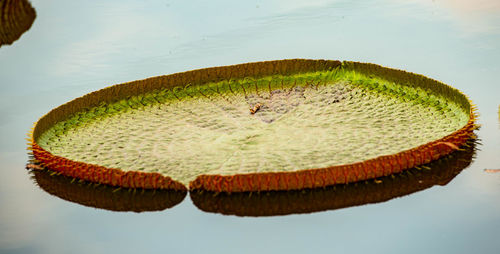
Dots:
{"x": 277, "y": 125}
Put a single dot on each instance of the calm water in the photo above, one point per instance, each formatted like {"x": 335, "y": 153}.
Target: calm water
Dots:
{"x": 75, "y": 48}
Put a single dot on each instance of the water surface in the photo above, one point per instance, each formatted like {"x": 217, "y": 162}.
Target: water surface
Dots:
{"x": 74, "y": 48}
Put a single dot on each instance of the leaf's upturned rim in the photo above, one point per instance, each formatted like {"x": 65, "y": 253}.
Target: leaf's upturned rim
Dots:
{"x": 300, "y": 179}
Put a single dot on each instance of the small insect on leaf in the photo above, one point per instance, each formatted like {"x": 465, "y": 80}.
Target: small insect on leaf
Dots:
{"x": 255, "y": 108}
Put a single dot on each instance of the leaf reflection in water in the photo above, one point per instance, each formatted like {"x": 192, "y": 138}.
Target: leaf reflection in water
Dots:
{"x": 106, "y": 197}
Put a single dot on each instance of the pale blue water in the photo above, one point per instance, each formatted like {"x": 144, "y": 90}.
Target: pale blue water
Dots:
{"x": 75, "y": 48}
